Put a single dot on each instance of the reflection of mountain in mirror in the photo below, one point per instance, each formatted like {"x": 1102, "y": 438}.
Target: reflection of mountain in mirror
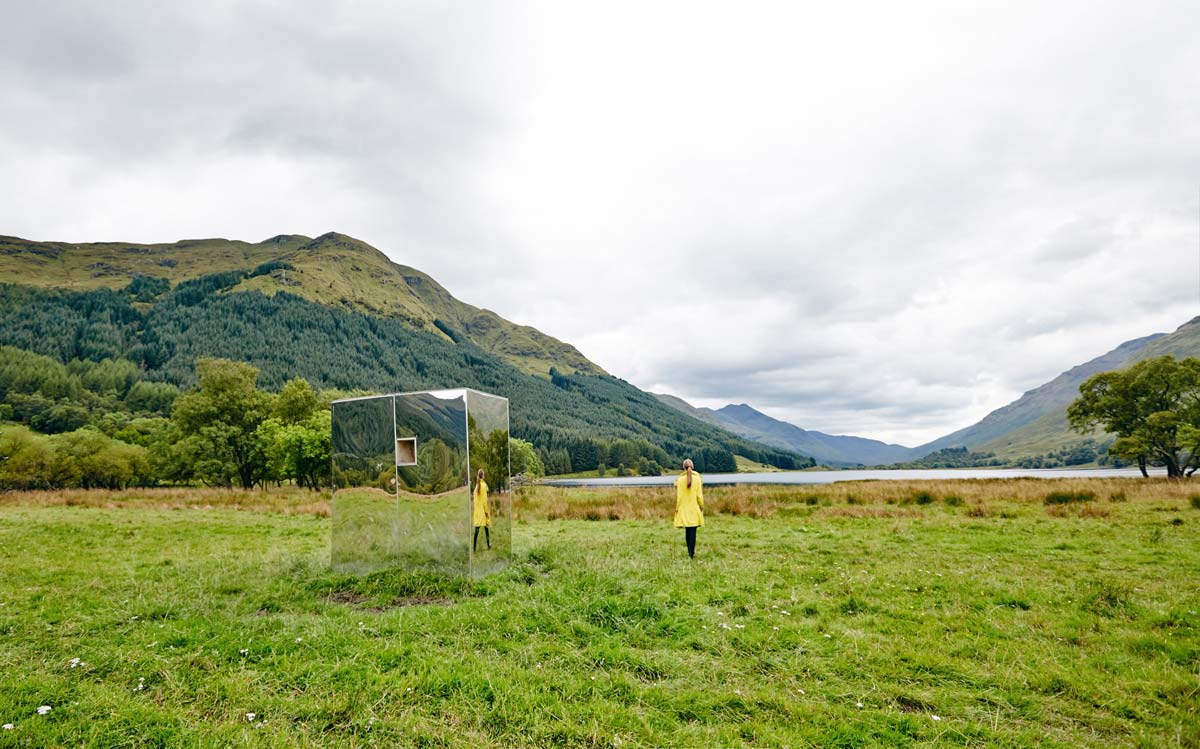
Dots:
{"x": 362, "y": 443}
{"x": 438, "y": 423}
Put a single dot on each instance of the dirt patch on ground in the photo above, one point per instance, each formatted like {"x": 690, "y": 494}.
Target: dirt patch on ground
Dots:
{"x": 399, "y": 603}
{"x": 347, "y": 596}
{"x": 358, "y": 600}
{"x": 912, "y": 704}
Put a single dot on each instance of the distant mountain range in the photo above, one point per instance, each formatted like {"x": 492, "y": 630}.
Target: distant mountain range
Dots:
{"x": 829, "y": 449}
{"x": 1034, "y": 424}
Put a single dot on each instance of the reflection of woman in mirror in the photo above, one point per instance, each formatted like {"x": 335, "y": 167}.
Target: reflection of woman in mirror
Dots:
{"x": 689, "y": 504}
{"x": 481, "y": 514}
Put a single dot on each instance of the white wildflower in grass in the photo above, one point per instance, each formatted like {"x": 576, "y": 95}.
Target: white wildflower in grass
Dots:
{"x": 244, "y": 651}
{"x": 8, "y": 726}
{"x": 858, "y": 704}
{"x": 785, "y": 613}
{"x": 801, "y": 691}
{"x": 299, "y": 639}
{"x": 935, "y": 717}
{"x": 141, "y": 683}
{"x": 740, "y": 626}
{"x": 44, "y": 709}
{"x": 775, "y": 628}
{"x": 250, "y": 717}
{"x": 75, "y": 662}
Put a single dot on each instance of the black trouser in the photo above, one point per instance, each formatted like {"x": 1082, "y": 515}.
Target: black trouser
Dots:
{"x": 690, "y": 535}
{"x": 487, "y": 536}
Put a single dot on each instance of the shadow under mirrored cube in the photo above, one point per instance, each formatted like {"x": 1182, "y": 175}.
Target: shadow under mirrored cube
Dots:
{"x": 408, "y": 491}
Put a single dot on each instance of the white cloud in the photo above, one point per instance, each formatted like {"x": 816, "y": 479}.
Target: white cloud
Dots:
{"x": 868, "y": 218}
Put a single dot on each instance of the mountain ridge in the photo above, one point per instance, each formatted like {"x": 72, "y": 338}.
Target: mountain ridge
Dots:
{"x": 254, "y": 305}
{"x": 831, "y": 449}
{"x": 1050, "y": 397}
{"x": 1050, "y": 429}
{"x": 333, "y": 269}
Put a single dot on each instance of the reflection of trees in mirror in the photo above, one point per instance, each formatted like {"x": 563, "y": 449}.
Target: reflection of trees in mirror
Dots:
{"x": 489, "y": 452}
{"x": 439, "y": 468}
{"x": 366, "y": 470}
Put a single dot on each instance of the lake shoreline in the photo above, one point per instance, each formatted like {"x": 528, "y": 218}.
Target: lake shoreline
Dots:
{"x": 829, "y": 477}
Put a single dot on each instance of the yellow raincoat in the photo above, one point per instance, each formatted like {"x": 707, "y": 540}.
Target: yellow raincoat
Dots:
{"x": 481, "y": 514}
{"x": 689, "y": 502}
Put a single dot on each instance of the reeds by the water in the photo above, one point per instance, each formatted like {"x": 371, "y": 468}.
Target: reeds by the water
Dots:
{"x": 978, "y": 498}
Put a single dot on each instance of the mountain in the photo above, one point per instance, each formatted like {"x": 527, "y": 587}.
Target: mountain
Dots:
{"x": 1033, "y": 425}
{"x": 1029, "y": 425}
{"x": 336, "y": 312}
{"x": 1050, "y": 430}
{"x": 837, "y": 450}
{"x": 333, "y": 269}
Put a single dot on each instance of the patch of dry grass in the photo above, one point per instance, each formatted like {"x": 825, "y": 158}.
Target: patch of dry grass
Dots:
{"x": 979, "y": 498}
{"x": 284, "y": 500}
{"x": 861, "y": 499}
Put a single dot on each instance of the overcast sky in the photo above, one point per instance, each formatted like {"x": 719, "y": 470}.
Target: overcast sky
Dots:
{"x": 876, "y": 219}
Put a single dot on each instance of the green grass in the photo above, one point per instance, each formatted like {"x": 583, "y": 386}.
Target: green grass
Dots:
{"x": 822, "y": 625}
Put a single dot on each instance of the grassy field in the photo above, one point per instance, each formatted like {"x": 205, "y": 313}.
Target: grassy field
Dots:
{"x": 980, "y": 613}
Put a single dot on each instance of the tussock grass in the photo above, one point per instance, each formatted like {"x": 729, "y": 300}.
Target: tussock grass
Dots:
{"x": 654, "y": 503}
{"x": 284, "y": 500}
{"x": 979, "y": 497}
{"x": 1069, "y": 497}
{"x": 825, "y": 624}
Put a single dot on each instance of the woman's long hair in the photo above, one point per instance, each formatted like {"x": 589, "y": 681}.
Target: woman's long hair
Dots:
{"x": 687, "y": 467}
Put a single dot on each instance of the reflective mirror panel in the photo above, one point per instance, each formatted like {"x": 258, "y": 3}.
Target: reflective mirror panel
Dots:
{"x": 433, "y": 500}
{"x": 364, "y": 485}
{"x": 491, "y": 498}
{"x": 405, "y": 494}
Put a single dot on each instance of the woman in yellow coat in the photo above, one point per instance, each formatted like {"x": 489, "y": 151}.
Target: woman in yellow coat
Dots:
{"x": 481, "y": 513}
{"x": 689, "y": 504}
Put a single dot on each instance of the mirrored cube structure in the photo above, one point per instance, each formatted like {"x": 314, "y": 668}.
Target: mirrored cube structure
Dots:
{"x": 407, "y": 490}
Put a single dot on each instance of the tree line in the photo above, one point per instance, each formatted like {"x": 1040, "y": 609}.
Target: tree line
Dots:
{"x": 225, "y": 431}
{"x": 162, "y": 332}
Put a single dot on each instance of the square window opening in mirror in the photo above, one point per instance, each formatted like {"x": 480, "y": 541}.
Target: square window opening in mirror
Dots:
{"x": 406, "y": 451}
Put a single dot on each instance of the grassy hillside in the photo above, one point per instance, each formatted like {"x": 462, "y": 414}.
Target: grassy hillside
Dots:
{"x": 1050, "y": 431}
{"x": 1035, "y": 423}
{"x": 150, "y": 619}
{"x": 287, "y": 336}
{"x": 332, "y": 269}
